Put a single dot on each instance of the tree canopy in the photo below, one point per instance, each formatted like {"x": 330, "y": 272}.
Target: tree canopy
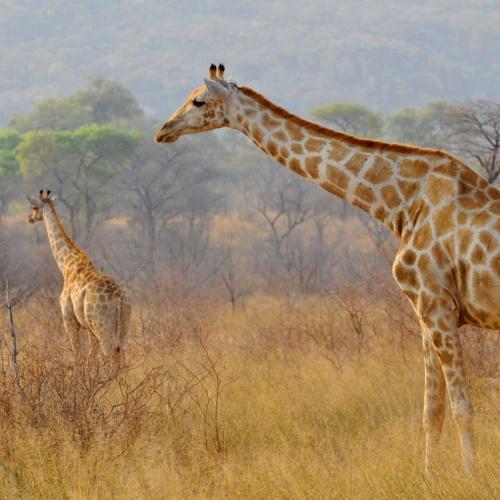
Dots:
{"x": 79, "y": 164}
{"x": 426, "y": 126}
{"x": 351, "y": 117}
{"x": 102, "y": 101}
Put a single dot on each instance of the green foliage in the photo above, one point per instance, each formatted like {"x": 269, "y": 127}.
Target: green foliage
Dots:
{"x": 9, "y": 166}
{"x": 54, "y": 114}
{"x": 351, "y": 117}
{"x": 78, "y": 165}
{"x": 103, "y": 101}
{"x": 108, "y": 100}
{"x": 426, "y": 126}
{"x": 9, "y": 139}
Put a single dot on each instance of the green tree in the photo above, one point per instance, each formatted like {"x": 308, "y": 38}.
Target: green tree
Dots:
{"x": 78, "y": 165}
{"x": 54, "y": 114}
{"x": 9, "y": 167}
{"x": 103, "y": 101}
{"x": 109, "y": 101}
{"x": 427, "y": 126}
{"x": 351, "y": 117}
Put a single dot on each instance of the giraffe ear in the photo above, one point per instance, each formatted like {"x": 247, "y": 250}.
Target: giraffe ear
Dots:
{"x": 33, "y": 200}
{"x": 216, "y": 89}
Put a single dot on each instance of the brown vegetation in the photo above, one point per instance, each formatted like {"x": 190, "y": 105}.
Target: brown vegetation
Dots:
{"x": 305, "y": 398}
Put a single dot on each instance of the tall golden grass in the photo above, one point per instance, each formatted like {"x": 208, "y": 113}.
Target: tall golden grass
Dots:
{"x": 275, "y": 400}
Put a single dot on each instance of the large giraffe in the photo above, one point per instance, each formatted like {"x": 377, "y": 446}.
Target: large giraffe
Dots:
{"x": 446, "y": 217}
{"x": 89, "y": 300}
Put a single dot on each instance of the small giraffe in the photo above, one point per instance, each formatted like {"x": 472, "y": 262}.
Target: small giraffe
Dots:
{"x": 446, "y": 217}
{"x": 89, "y": 299}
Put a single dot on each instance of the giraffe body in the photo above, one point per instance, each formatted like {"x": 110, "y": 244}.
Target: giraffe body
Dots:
{"x": 446, "y": 216}
{"x": 90, "y": 300}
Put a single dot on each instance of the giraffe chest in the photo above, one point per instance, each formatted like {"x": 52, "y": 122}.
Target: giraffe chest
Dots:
{"x": 463, "y": 264}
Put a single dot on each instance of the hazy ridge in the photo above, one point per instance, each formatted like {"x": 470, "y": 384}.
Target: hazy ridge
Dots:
{"x": 386, "y": 54}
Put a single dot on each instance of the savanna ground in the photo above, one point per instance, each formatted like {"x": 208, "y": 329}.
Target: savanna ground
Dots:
{"x": 317, "y": 397}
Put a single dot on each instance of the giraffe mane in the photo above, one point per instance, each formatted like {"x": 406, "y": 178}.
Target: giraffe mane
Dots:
{"x": 343, "y": 136}
{"x": 66, "y": 236}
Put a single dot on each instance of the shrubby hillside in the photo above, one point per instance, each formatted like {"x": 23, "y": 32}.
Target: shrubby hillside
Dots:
{"x": 385, "y": 54}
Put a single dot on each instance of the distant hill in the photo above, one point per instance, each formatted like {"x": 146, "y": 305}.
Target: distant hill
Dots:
{"x": 386, "y": 53}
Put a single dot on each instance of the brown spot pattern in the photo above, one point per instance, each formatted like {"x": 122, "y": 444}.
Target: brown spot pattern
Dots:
{"x": 443, "y": 219}
{"x": 314, "y": 145}
{"x": 269, "y": 122}
{"x": 438, "y": 189}
{"x": 408, "y": 189}
{"x": 365, "y": 193}
{"x": 257, "y": 133}
{"x": 296, "y": 167}
{"x": 337, "y": 177}
{"x": 356, "y": 162}
{"x": 423, "y": 236}
{"x": 331, "y": 188}
{"x": 413, "y": 168}
{"x": 390, "y": 196}
{"x": 272, "y": 148}
{"x": 280, "y": 136}
{"x": 379, "y": 172}
{"x": 337, "y": 151}
{"x": 409, "y": 257}
{"x": 294, "y": 132}
{"x": 312, "y": 166}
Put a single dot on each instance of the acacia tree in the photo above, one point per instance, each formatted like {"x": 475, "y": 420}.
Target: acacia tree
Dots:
{"x": 102, "y": 101}
{"x": 78, "y": 165}
{"x": 351, "y": 117}
{"x": 9, "y": 168}
{"x": 427, "y": 126}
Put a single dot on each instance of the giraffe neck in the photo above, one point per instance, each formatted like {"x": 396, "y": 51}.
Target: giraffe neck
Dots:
{"x": 384, "y": 180}
{"x": 64, "y": 249}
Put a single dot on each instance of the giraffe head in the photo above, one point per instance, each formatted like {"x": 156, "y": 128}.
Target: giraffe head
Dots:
{"x": 207, "y": 108}
{"x": 38, "y": 204}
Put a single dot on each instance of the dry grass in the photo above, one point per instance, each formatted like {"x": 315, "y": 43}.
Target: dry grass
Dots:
{"x": 214, "y": 405}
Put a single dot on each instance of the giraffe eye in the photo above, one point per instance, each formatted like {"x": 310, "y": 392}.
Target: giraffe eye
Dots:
{"x": 198, "y": 104}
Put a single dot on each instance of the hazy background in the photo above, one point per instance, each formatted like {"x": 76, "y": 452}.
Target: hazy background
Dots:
{"x": 270, "y": 354}
{"x": 383, "y": 53}
{"x": 85, "y": 85}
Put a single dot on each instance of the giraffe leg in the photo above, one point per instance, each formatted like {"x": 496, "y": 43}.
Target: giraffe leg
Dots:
{"x": 94, "y": 347}
{"x": 443, "y": 329}
{"x": 434, "y": 393}
{"x": 72, "y": 326}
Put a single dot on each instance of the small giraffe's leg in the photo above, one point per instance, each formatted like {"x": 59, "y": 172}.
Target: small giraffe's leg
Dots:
{"x": 434, "y": 393}
{"x": 443, "y": 328}
{"x": 104, "y": 329}
{"x": 72, "y": 326}
{"x": 94, "y": 347}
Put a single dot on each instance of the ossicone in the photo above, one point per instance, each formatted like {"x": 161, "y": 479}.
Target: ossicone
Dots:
{"x": 220, "y": 71}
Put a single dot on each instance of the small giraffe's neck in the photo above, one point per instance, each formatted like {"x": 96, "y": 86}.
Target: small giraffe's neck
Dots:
{"x": 382, "y": 179}
{"x": 64, "y": 249}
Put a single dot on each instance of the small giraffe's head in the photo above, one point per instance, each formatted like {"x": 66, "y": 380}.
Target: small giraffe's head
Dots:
{"x": 38, "y": 204}
{"x": 207, "y": 108}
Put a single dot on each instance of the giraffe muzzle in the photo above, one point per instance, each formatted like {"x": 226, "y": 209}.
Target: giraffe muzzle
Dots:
{"x": 164, "y": 136}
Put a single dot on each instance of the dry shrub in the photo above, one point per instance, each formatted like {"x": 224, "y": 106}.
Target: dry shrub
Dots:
{"x": 90, "y": 401}
{"x": 306, "y": 398}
